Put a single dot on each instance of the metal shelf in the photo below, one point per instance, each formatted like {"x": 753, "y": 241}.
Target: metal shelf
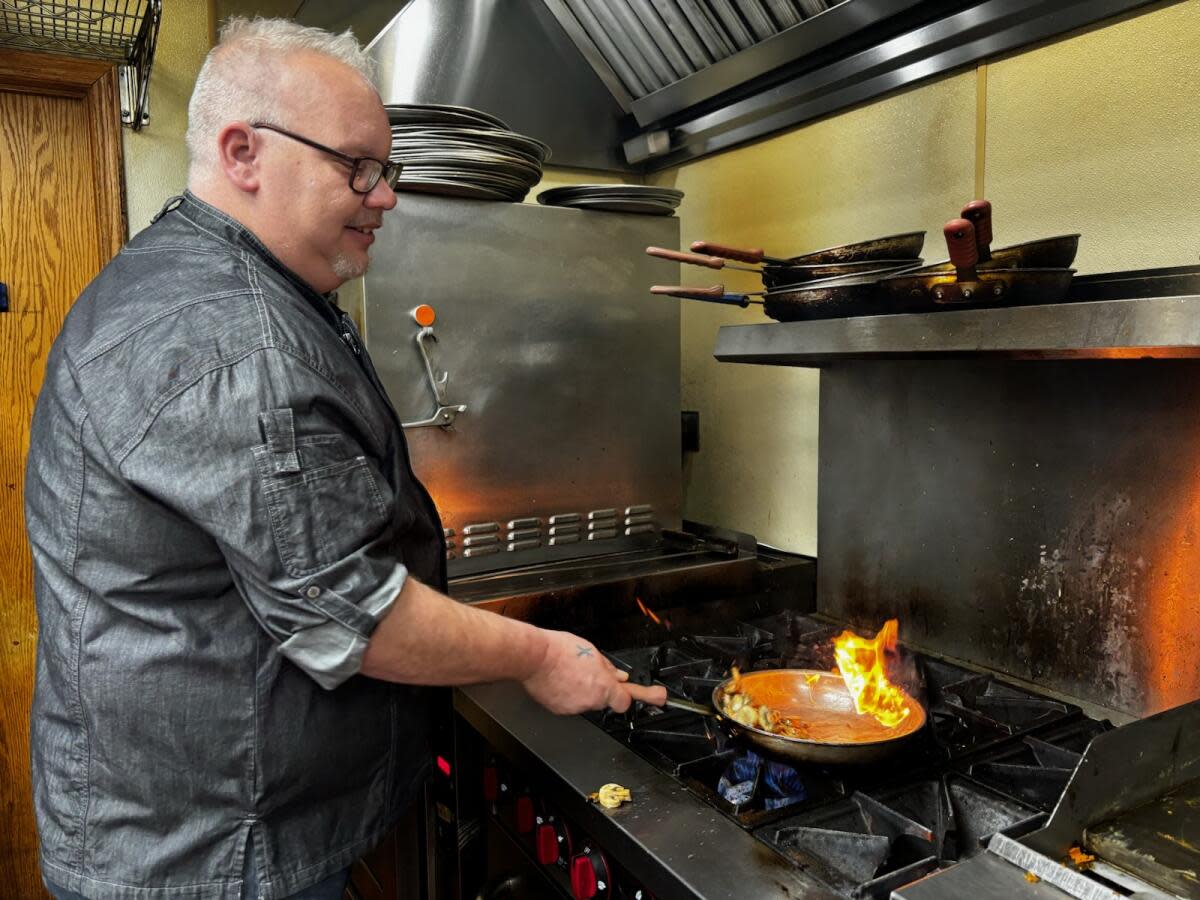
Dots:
{"x": 117, "y": 31}
{"x": 1150, "y": 317}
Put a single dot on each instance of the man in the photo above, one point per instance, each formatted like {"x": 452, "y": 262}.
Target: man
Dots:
{"x": 236, "y": 567}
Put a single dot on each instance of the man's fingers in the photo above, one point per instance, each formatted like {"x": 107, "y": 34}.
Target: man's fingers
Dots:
{"x": 622, "y": 675}
{"x": 618, "y": 699}
{"x": 655, "y": 694}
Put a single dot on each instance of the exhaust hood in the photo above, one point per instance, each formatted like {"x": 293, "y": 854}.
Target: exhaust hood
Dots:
{"x": 641, "y": 85}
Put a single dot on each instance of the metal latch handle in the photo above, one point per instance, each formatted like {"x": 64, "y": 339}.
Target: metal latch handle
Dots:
{"x": 445, "y": 413}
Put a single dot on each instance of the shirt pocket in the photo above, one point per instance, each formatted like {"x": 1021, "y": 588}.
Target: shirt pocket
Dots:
{"x": 324, "y": 504}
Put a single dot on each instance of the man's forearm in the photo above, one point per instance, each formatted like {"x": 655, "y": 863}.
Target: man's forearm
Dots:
{"x": 428, "y": 638}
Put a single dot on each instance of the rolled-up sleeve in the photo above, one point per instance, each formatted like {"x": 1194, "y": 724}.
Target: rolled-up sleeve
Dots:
{"x": 276, "y": 461}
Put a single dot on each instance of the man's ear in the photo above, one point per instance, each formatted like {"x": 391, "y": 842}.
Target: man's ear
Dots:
{"x": 238, "y": 147}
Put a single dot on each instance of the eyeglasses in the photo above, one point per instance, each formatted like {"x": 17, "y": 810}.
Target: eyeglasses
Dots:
{"x": 365, "y": 171}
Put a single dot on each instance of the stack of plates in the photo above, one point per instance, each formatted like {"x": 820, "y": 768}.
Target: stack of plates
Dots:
{"x": 462, "y": 152}
{"x": 625, "y": 198}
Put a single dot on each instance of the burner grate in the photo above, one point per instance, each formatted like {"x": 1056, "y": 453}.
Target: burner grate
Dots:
{"x": 872, "y": 842}
{"x": 994, "y": 757}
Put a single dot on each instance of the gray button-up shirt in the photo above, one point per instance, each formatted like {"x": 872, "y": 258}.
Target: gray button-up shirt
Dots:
{"x": 221, "y": 509}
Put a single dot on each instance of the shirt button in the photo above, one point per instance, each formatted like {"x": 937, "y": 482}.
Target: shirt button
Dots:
{"x": 312, "y": 593}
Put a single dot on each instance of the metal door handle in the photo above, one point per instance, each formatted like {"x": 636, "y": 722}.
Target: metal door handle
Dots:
{"x": 3, "y": 297}
{"x": 445, "y": 413}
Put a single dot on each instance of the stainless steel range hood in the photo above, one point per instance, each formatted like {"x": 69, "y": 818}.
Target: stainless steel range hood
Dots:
{"x": 640, "y": 85}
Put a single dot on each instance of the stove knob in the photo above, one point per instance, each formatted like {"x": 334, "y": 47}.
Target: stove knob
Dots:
{"x": 589, "y": 875}
{"x": 491, "y": 784}
{"x": 547, "y": 845}
{"x": 524, "y": 814}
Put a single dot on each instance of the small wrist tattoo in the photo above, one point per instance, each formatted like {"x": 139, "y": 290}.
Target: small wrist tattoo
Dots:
{"x": 583, "y": 651}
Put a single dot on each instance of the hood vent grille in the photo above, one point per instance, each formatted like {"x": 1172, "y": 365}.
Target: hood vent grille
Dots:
{"x": 647, "y": 45}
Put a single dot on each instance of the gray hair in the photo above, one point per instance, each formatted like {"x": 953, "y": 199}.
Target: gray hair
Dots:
{"x": 224, "y": 93}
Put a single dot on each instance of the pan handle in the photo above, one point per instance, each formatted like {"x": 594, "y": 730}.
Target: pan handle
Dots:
{"x": 699, "y": 708}
{"x": 960, "y": 242}
{"x": 714, "y": 294}
{"x": 751, "y": 255}
{"x": 692, "y": 259}
{"x": 979, "y": 214}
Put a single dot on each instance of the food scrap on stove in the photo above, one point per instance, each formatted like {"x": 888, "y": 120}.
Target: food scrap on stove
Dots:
{"x": 610, "y": 796}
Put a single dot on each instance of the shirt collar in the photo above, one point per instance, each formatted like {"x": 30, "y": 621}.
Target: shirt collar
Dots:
{"x": 225, "y": 228}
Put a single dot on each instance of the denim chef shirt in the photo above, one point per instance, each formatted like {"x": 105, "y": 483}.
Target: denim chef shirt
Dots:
{"x": 221, "y": 509}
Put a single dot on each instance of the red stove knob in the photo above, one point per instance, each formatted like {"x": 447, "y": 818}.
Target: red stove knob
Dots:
{"x": 589, "y": 875}
{"x": 583, "y": 878}
{"x": 524, "y": 814}
{"x": 547, "y": 845}
{"x": 491, "y": 784}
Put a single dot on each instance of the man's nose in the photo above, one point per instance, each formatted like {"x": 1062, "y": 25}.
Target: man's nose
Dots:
{"x": 381, "y": 196}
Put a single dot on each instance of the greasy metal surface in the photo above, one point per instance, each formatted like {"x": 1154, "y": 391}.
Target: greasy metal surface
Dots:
{"x": 1035, "y": 518}
{"x": 670, "y": 841}
{"x": 1159, "y": 841}
{"x": 984, "y": 877}
{"x": 821, "y": 702}
{"x": 510, "y": 59}
{"x": 569, "y": 375}
{"x": 1122, "y": 770}
{"x": 1147, "y": 328}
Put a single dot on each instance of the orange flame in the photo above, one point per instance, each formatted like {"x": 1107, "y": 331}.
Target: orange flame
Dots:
{"x": 649, "y": 613}
{"x": 861, "y": 664}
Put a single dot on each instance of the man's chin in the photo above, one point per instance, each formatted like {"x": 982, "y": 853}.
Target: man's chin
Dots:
{"x": 347, "y": 267}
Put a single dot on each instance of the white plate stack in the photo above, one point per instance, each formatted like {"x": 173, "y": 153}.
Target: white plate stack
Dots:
{"x": 461, "y": 152}
{"x": 624, "y": 198}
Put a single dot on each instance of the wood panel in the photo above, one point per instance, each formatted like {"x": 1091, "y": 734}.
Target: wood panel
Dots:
{"x": 45, "y": 73}
{"x": 54, "y": 236}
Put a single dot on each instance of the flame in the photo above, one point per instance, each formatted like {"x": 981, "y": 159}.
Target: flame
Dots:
{"x": 649, "y": 613}
{"x": 861, "y": 664}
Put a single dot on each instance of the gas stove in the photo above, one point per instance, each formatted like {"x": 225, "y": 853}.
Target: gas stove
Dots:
{"x": 710, "y": 819}
{"x": 994, "y": 758}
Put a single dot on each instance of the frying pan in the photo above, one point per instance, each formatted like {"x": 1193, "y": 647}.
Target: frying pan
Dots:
{"x": 959, "y": 284}
{"x": 963, "y": 283}
{"x": 893, "y": 246}
{"x": 820, "y": 701}
{"x": 1047, "y": 253}
{"x": 775, "y": 277}
{"x": 849, "y": 295}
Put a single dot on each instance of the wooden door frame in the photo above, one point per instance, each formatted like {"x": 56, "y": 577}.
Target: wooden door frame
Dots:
{"x": 95, "y": 83}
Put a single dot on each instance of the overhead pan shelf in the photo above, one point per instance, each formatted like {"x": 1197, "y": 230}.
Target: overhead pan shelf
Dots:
{"x": 1146, "y": 314}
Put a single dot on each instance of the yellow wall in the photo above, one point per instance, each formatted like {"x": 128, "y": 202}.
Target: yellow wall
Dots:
{"x": 155, "y": 157}
{"x": 1095, "y": 133}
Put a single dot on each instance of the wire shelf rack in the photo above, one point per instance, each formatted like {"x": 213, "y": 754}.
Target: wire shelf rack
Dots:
{"x": 122, "y": 31}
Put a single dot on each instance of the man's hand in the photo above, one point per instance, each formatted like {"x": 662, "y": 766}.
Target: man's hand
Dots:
{"x": 574, "y": 676}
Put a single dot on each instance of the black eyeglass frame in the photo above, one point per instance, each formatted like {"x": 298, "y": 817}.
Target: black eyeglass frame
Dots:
{"x": 388, "y": 171}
